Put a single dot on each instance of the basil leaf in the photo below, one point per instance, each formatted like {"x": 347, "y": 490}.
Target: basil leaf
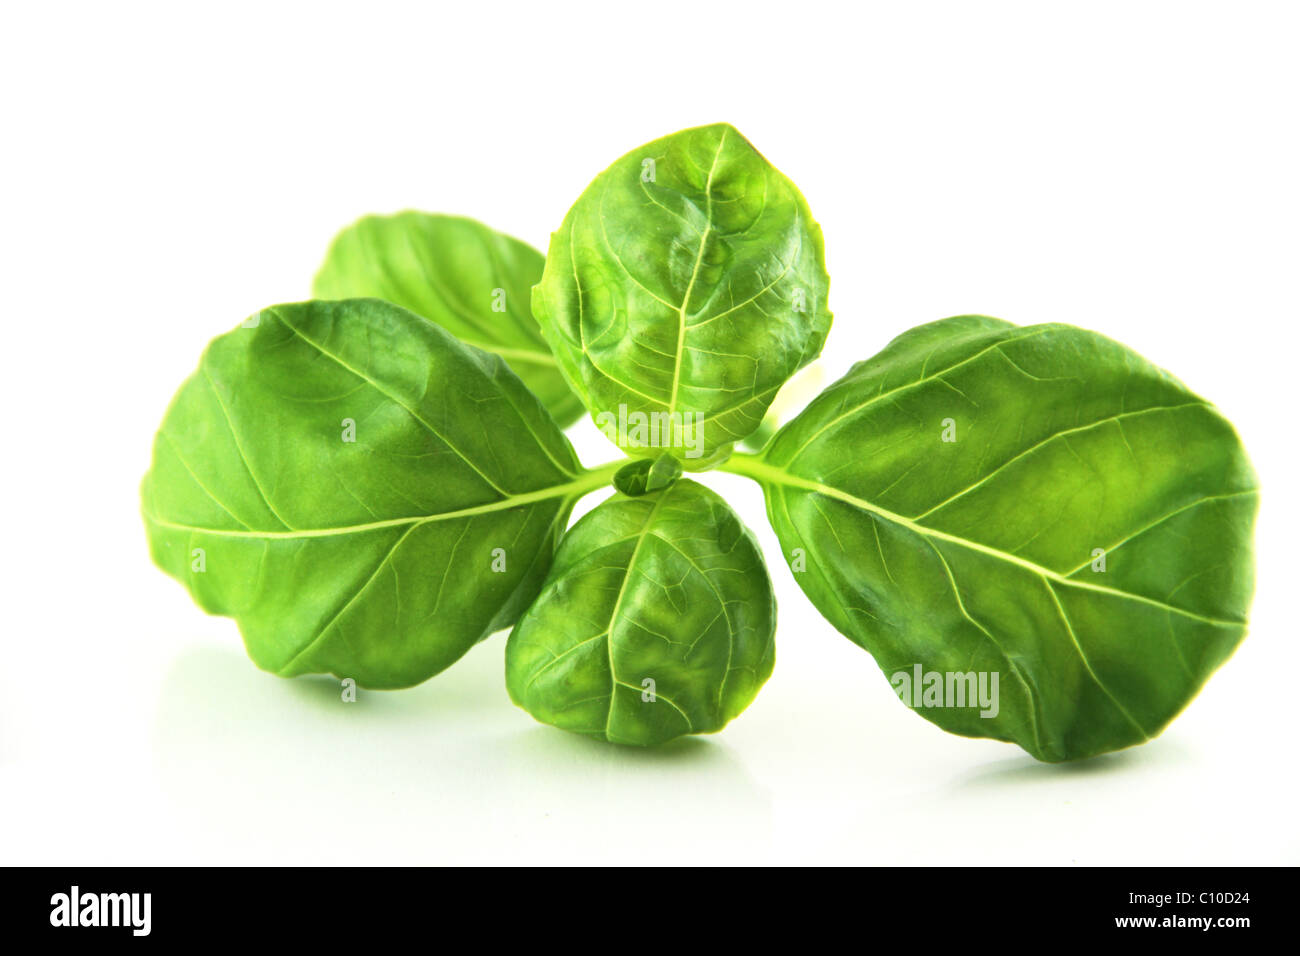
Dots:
{"x": 645, "y": 475}
{"x": 473, "y": 281}
{"x": 1040, "y": 503}
{"x": 363, "y": 493}
{"x": 657, "y": 620}
{"x": 688, "y": 281}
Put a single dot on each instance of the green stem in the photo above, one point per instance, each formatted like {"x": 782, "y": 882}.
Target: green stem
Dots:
{"x": 591, "y": 479}
{"x": 751, "y": 466}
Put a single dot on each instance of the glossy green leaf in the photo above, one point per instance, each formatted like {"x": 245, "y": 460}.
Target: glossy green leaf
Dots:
{"x": 1040, "y": 503}
{"x": 473, "y": 281}
{"x": 688, "y": 281}
{"x": 645, "y": 475}
{"x": 656, "y": 620}
{"x": 363, "y": 493}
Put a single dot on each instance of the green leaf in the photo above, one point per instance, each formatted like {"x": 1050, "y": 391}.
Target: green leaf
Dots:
{"x": 473, "y": 281}
{"x": 657, "y": 620}
{"x": 687, "y": 281}
{"x": 646, "y": 475}
{"x": 947, "y": 504}
{"x": 363, "y": 493}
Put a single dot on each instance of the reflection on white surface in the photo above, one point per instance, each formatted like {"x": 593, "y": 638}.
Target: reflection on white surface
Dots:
{"x": 449, "y": 771}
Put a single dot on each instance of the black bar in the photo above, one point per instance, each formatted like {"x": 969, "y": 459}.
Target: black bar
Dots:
{"x": 957, "y": 905}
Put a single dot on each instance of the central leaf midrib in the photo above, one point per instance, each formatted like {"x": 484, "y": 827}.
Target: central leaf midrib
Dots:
{"x": 575, "y": 488}
{"x": 613, "y": 616}
{"x": 695, "y": 271}
{"x": 761, "y": 471}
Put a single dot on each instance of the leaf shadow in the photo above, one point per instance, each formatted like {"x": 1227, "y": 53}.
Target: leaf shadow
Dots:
{"x": 218, "y": 691}
{"x": 449, "y": 771}
{"x": 551, "y": 744}
{"x": 1024, "y": 770}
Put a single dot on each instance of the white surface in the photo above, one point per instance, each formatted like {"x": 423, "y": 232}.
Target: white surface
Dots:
{"x": 1131, "y": 168}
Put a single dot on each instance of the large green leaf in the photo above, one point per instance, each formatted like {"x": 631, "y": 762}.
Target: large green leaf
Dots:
{"x": 1041, "y": 503}
{"x": 363, "y": 493}
{"x": 688, "y": 280}
{"x": 473, "y": 281}
{"x": 657, "y": 620}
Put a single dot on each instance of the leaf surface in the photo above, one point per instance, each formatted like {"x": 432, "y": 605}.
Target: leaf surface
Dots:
{"x": 1038, "y": 502}
{"x": 688, "y": 280}
{"x": 657, "y": 620}
{"x": 361, "y": 492}
{"x": 473, "y": 281}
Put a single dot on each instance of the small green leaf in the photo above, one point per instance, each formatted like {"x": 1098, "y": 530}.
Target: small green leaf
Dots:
{"x": 363, "y": 493}
{"x": 471, "y": 280}
{"x": 646, "y": 475}
{"x": 1037, "y": 503}
{"x": 657, "y": 620}
{"x": 685, "y": 285}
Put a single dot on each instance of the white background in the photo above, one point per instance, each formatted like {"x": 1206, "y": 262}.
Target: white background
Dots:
{"x": 1132, "y": 168}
